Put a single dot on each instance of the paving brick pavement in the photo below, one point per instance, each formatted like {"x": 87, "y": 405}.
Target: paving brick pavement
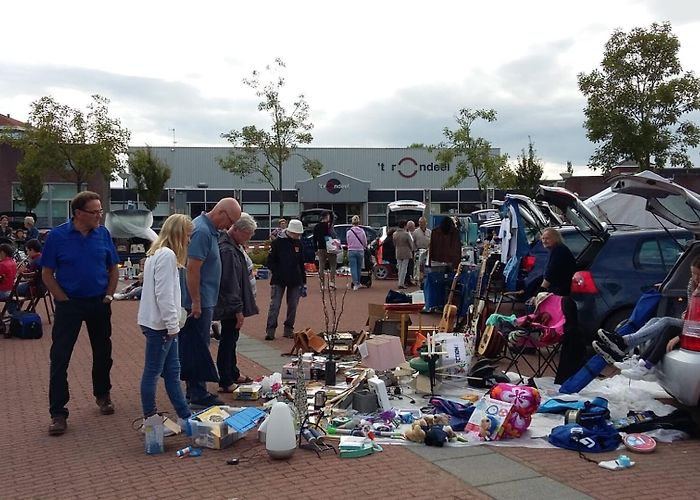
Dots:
{"x": 102, "y": 457}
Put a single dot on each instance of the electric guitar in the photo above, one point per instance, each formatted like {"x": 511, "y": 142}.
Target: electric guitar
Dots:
{"x": 477, "y": 306}
{"x": 491, "y": 343}
{"x": 449, "y": 312}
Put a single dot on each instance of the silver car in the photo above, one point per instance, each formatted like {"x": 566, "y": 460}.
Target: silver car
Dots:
{"x": 679, "y": 372}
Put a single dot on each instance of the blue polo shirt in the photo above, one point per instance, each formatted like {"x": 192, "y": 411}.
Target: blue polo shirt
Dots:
{"x": 204, "y": 246}
{"x": 81, "y": 263}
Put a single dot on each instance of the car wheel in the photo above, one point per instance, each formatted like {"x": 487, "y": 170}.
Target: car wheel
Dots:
{"x": 616, "y": 319}
{"x": 381, "y": 272}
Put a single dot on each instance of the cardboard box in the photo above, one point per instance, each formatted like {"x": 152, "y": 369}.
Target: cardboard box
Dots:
{"x": 247, "y": 392}
{"x": 382, "y": 352}
{"x": 209, "y": 429}
{"x": 318, "y": 371}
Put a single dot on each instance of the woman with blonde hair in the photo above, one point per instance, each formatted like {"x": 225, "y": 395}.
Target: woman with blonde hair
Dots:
{"x": 357, "y": 242}
{"x": 160, "y": 315}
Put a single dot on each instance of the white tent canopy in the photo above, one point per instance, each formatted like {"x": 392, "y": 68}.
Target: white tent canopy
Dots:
{"x": 617, "y": 208}
{"x": 130, "y": 224}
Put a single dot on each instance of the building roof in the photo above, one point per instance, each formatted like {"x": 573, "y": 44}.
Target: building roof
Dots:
{"x": 7, "y": 122}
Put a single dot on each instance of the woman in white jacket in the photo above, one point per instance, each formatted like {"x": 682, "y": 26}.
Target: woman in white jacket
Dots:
{"x": 160, "y": 315}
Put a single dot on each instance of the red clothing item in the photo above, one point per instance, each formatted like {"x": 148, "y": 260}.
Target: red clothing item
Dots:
{"x": 8, "y": 273}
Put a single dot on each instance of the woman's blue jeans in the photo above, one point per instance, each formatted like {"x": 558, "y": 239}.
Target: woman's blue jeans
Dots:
{"x": 162, "y": 359}
{"x": 356, "y": 257}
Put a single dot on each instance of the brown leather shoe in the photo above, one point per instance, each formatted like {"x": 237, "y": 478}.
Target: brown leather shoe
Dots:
{"x": 105, "y": 404}
{"x": 58, "y": 425}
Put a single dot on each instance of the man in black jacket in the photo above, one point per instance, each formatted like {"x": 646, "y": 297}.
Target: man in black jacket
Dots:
{"x": 236, "y": 298}
{"x": 287, "y": 267}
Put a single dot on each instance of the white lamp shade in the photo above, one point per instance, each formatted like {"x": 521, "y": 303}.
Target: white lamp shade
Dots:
{"x": 280, "y": 435}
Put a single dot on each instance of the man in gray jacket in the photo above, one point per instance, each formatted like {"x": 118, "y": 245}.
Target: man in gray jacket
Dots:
{"x": 403, "y": 242}
{"x": 236, "y": 299}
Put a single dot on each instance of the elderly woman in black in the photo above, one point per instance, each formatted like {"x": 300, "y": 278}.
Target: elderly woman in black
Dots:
{"x": 561, "y": 265}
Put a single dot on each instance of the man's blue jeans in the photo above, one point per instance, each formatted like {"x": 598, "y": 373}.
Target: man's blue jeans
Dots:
{"x": 162, "y": 359}
{"x": 196, "y": 390}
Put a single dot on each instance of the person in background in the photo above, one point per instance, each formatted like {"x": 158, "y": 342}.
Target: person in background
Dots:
{"x": 32, "y": 232}
{"x": 357, "y": 243}
{"x": 445, "y": 246}
{"x": 421, "y": 237}
{"x": 79, "y": 268}
{"x": 31, "y": 271}
{"x": 287, "y": 268}
{"x": 657, "y": 332}
{"x": 8, "y": 270}
{"x": 20, "y": 238}
{"x": 410, "y": 228}
{"x": 561, "y": 264}
{"x": 323, "y": 230}
{"x": 6, "y": 233}
{"x": 403, "y": 244}
{"x": 236, "y": 300}
{"x": 203, "y": 276}
{"x": 281, "y": 226}
{"x": 160, "y": 316}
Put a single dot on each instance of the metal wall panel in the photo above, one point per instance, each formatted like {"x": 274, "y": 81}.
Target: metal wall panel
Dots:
{"x": 384, "y": 168}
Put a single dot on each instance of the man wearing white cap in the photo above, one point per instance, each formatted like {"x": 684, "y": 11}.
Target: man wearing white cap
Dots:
{"x": 286, "y": 265}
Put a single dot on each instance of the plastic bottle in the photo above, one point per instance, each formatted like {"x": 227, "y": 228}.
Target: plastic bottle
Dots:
{"x": 183, "y": 452}
{"x": 129, "y": 268}
{"x": 153, "y": 431}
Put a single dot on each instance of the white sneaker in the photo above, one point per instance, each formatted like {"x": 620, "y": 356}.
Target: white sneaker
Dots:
{"x": 331, "y": 285}
{"x": 640, "y": 372}
{"x": 628, "y": 363}
{"x": 119, "y": 296}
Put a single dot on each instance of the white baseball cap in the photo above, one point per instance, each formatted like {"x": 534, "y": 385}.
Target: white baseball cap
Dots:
{"x": 295, "y": 226}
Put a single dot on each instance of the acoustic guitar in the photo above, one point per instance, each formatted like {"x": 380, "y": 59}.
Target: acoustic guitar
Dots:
{"x": 491, "y": 342}
{"x": 449, "y": 312}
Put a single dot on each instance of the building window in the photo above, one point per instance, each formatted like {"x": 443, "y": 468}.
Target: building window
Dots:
{"x": 381, "y": 195}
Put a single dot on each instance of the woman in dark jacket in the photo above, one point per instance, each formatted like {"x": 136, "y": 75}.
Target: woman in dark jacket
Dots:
{"x": 287, "y": 268}
{"x": 445, "y": 245}
{"x": 236, "y": 299}
{"x": 322, "y": 230}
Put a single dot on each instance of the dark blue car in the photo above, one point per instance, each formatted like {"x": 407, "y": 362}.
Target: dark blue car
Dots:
{"x": 617, "y": 263}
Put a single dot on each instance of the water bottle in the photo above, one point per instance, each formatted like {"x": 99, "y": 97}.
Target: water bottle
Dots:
{"x": 129, "y": 269}
{"x": 153, "y": 431}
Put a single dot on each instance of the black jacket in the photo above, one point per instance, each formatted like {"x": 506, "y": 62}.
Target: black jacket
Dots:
{"x": 235, "y": 292}
{"x": 285, "y": 262}
{"x": 321, "y": 230}
{"x": 561, "y": 267}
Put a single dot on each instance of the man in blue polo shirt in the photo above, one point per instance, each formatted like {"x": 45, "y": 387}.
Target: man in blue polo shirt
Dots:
{"x": 203, "y": 275}
{"x": 79, "y": 268}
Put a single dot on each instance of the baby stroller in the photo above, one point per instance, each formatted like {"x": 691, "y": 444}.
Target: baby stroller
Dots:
{"x": 541, "y": 330}
{"x": 366, "y": 273}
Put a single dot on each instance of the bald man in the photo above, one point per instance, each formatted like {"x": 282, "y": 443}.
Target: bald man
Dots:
{"x": 200, "y": 294}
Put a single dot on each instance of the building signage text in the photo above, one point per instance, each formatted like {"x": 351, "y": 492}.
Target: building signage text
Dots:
{"x": 408, "y": 167}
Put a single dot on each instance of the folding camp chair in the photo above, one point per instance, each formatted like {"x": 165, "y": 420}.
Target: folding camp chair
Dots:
{"x": 13, "y": 298}
{"x": 541, "y": 331}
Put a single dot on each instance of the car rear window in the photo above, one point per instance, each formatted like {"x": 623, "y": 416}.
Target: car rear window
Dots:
{"x": 659, "y": 252}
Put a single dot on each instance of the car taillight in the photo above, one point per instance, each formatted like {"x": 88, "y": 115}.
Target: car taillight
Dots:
{"x": 528, "y": 263}
{"x": 582, "y": 282}
{"x": 690, "y": 337}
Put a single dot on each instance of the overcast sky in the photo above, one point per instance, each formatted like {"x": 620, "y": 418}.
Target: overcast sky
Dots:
{"x": 375, "y": 73}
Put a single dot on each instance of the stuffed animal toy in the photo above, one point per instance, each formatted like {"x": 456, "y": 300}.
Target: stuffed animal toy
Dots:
{"x": 415, "y": 433}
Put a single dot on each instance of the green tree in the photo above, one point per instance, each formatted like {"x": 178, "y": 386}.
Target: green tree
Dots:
{"x": 473, "y": 156}
{"x": 636, "y": 100}
{"x": 150, "y": 174}
{"x": 72, "y": 143}
{"x": 31, "y": 187}
{"x": 265, "y": 151}
{"x": 528, "y": 171}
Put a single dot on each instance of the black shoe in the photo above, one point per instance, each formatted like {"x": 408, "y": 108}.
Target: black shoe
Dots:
{"x": 209, "y": 400}
{"x": 288, "y": 335}
{"x": 58, "y": 425}
{"x": 105, "y": 404}
{"x": 268, "y": 337}
{"x": 607, "y": 354}
{"x": 613, "y": 341}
